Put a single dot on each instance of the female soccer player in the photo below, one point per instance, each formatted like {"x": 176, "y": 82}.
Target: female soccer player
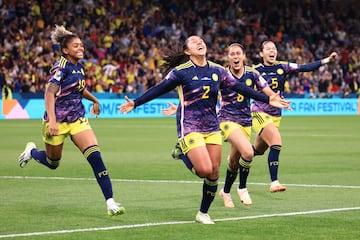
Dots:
{"x": 65, "y": 113}
{"x": 198, "y": 81}
{"x": 266, "y": 119}
{"x": 235, "y": 123}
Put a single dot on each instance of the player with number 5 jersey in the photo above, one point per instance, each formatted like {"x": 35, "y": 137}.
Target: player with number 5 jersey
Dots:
{"x": 266, "y": 118}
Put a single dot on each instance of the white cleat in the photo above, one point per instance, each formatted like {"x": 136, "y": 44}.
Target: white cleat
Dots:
{"x": 228, "y": 202}
{"x": 277, "y": 187}
{"x": 114, "y": 208}
{"x": 25, "y": 156}
{"x": 203, "y": 218}
{"x": 244, "y": 196}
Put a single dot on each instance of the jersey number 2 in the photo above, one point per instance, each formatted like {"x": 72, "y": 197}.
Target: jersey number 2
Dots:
{"x": 206, "y": 93}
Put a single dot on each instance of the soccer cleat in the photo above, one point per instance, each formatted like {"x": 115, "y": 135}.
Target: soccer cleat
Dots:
{"x": 176, "y": 152}
{"x": 244, "y": 196}
{"x": 25, "y": 156}
{"x": 276, "y": 187}
{"x": 114, "y": 208}
{"x": 228, "y": 202}
{"x": 203, "y": 218}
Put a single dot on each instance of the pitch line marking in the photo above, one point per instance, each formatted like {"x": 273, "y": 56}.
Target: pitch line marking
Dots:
{"x": 174, "y": 223}
{"x": 168, "y": 181}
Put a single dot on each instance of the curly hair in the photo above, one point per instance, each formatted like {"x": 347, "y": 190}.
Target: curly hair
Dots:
{"x": 62, "y": 36}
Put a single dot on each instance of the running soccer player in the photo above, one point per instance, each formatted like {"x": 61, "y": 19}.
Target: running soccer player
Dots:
{"x": 266, "y": 119}
{"x": 65, "y": 116}
{"x": 235, "y": 123}
{"x": 198, "y": 81}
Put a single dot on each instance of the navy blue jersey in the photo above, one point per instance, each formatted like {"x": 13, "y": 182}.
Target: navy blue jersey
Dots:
{"x": 71, "y": 80}
{"x": 276, "y": 75}
{"x": 198, "y": 89}
{"x": 234, "y": 106}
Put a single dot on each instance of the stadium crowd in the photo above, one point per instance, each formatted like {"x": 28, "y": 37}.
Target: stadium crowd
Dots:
{"x": 124, "y": 40}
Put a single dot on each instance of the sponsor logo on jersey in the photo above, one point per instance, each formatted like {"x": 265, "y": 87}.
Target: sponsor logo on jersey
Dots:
{"x": 75, "y": 72}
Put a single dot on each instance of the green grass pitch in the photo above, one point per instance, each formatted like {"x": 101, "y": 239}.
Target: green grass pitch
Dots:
{"x": 319, "y": 163}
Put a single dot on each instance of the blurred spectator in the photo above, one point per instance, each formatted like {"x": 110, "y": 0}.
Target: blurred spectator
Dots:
{"x": 125, "y": 39}
{"x": 6, "y": 91}
{"x": 2, "y": 78}
{"x": 324, "y": 85}
{"x": 352, "y": 84}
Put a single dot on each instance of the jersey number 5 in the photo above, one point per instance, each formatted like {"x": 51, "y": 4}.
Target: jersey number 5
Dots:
{"x": 274, "y": 83}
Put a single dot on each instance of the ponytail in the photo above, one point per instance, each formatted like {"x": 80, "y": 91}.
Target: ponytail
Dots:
{"x": 174, "y": 57}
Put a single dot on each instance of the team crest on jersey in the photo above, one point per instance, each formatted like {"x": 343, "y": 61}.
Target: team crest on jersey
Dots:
{"x": 215, "y": 77}
{"x": 248, "y": 82}
{"x": 280, "y": 71}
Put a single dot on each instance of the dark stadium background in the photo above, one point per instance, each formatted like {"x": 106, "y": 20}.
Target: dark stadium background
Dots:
{"x": 125, "y": 39}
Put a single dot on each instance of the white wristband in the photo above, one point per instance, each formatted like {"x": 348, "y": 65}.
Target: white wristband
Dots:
{"x": 326, "y": 60}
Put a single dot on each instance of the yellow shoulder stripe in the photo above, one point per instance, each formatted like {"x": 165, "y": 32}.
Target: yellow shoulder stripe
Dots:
{"x": 215, "y": 64}
{"x": 62, "y": 62}
{"x": 185, "y": 65}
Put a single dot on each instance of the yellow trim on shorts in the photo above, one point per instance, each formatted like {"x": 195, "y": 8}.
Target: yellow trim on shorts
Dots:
{"x": 228, "y": 127}
{"x": 65, "y": 129}
{"x": 261, "y": 120}
{"x": 196, "y": 139}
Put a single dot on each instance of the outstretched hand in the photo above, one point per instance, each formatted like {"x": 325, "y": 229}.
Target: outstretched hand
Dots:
{"x": 333, "y": 56}
{"x": 171, "y": 110}
{"x": 277, "y": 101}
{"x": 128, "y": 106}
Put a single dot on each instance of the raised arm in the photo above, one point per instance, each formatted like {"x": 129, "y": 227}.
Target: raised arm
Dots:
{"x": 163, "y": 87}
{"x": 314, "y": 65}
